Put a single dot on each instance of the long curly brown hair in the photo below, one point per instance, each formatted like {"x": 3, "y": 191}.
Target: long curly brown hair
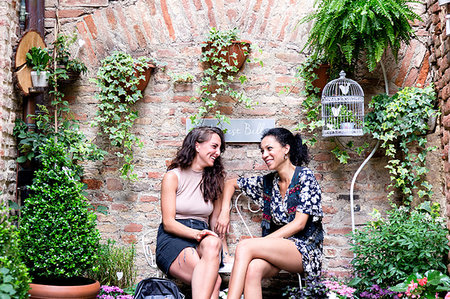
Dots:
{"x": 213, "y": 177}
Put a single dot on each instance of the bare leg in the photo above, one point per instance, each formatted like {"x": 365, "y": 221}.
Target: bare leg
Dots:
{"x": 256, "y": 271}
{"x": 227, "y": 258}
{"x": 206, "y": 273}
{"x": 199, "y": 268}
{"x": 278, "y": 252}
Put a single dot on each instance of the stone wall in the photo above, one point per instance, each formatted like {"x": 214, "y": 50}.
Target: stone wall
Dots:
{"x": 172, "y": 31}
{"x": 9, "y": 103}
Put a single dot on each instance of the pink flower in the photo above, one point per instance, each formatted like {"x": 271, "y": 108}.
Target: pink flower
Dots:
{"x": 447, "y": 296}
{"x": 422, "y": 281}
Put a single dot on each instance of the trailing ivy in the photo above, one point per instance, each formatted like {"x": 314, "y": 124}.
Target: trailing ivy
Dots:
{"x": 400, "y": 123}
{"x": 219, "y": 76}
{"x": 118, "y": 79}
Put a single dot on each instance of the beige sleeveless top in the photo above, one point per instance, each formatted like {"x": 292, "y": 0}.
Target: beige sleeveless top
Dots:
{"x": 190, "y": 202}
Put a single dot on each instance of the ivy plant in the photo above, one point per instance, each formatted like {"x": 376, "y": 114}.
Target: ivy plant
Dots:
{"x": 401, "y": 122}
{"x": 219, "y": 77}
{"x": 118, "y": 79}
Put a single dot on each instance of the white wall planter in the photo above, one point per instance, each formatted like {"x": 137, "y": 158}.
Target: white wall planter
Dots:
{"x": 443, "y": 2}
{"x": 40, "y": 80}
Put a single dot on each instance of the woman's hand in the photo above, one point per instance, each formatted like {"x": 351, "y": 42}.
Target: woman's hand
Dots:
{"x": 222, "y": 224}
{"x": 203, "y": 233}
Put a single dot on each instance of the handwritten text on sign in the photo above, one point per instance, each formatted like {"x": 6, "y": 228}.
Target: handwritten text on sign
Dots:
{"x": 239, "y": 130}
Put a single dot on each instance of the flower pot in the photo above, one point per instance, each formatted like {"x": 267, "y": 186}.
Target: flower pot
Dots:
{"x": 347, "y": 126}
{"x": 235, "y": 55}
{"x": 144, "y": 82}
{"x": 40, "y": 80}
{"x": 322, "y": 76}
{"x": 89, "y": 290}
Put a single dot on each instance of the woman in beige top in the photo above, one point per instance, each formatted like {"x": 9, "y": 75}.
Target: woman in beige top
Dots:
{"x": 186, "y": 249}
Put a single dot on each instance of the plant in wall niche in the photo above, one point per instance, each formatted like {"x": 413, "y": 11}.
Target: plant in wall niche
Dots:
{"x": 119, "y": 79}
{"x": 224, "y": 53}
{"x": 400, "y": 123}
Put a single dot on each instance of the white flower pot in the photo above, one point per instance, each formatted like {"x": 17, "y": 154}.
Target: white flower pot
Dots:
{"x": 40, "y": 80}
{"x": 347, "y": 126}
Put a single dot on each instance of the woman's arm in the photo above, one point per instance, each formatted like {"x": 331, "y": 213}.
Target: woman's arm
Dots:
{"x": 168, "y": 209}
{"x": 293, "y": 227}
{"x": 223, "y": 221}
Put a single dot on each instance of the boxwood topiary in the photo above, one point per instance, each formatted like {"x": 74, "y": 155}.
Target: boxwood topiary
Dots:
{"x": 58, "y": 234}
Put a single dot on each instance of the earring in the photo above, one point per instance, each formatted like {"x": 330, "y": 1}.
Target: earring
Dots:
{"x": 285, "y": 156}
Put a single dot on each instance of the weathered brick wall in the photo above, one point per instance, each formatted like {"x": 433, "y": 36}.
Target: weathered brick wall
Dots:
{"x": 439, "y": 62}
{"x": 8, "y": 100}
{"x": 171, "y": 31}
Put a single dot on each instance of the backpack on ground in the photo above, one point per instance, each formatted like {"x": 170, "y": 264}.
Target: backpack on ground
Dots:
{"x": 157, "y": 288}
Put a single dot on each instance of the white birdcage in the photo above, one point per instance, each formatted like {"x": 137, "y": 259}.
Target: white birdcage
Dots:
{"x": 342, "y": 108}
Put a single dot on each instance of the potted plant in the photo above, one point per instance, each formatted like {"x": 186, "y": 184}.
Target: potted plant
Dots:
{"x": 38, "y": 59}
{"x": 121, "y": 79}
{"x": 69, "y": 68}
{"x": 343, "y": 118}
{"x": 224, "y": 54}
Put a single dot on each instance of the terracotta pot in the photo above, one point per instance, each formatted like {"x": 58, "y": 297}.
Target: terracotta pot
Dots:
{"x": 322, "y": 76}
{"x": 144, "y": 82}
{"x": 240, "y": 48}
{"x": 47, "y": 291}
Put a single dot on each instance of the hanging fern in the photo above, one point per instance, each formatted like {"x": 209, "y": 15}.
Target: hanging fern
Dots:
{"x": 345, "y": 28}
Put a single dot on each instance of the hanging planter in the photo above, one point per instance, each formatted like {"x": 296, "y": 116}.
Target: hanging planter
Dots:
{"x": 142, "y": 84}
{"x": 322, "y": 73}
{"x": 232, "y": 54}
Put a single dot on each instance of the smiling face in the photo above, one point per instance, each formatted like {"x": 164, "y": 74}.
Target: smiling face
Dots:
{"x": 208, "y": 151}
{"x": 273, "y": 152}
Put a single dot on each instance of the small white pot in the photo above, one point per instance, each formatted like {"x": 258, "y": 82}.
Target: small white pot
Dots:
{"x": 40, "y": 80}
{"x": 347, "y": 126}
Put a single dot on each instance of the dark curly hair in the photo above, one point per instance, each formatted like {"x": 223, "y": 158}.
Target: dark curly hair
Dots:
{"x": 213, "y": 177}
{"x": 298, "y": 153}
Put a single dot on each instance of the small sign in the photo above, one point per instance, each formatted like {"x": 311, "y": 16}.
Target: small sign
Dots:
{"x": 238, "y": 130}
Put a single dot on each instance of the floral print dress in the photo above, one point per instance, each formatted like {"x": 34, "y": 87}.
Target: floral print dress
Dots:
{"x": 309, "y": 244}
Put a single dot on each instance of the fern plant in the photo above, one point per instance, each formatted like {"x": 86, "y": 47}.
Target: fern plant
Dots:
{"x": 343, "y": 29}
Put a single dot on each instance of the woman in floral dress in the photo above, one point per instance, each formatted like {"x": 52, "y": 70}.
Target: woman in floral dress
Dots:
{"x": 292, "y": 233}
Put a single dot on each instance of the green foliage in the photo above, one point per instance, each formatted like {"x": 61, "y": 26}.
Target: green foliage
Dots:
{"x": 400, "y": 122}
{"x": 343, "y": 29}
{"x": 219, "y": 77}
{"x": 114, "y": 259}
{"x": 314, "y": 288}
{"x": 424, "y": 286}
{"x": 67, "y": 133}
{"x": 63, "y": 55}
{"x": 388, "y": 250}
{"x": 118, "y": 79}
{"x": 38, "y": 59}
{"x": 14, "y": 278}
{"x": 58, "y": 235}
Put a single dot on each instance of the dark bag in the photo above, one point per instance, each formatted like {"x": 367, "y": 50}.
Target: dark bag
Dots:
{"x": 157, "y": 288}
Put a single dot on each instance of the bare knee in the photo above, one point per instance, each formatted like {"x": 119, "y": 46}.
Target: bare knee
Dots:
{"x": 255, "y": 271}
{"x": 243, "y": 249}
{"x": 210, "y": 245}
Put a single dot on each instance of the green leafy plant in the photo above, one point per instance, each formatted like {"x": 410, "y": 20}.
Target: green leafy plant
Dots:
{"x": 118, "y": 78}
{"x": 314, "y": 288}
{"x": 433, "y": 284}
{"x": 64, "y": 57}
{"x": 388, "y": 250}
{"x": 58, "y": 235}
{"x": 344, "y": 29}
{"x": 38, "y": 59}
{"x": 115, "y": 265}
{"x": 400, "y": 122}
{"x": 218, "y": 78}
{"x": 14, "y": 278}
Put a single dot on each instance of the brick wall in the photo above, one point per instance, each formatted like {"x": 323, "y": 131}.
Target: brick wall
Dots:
{"x": 8, "y": 100}
{"x": 172, "y": 31}
{"x": 441, "y": 72}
